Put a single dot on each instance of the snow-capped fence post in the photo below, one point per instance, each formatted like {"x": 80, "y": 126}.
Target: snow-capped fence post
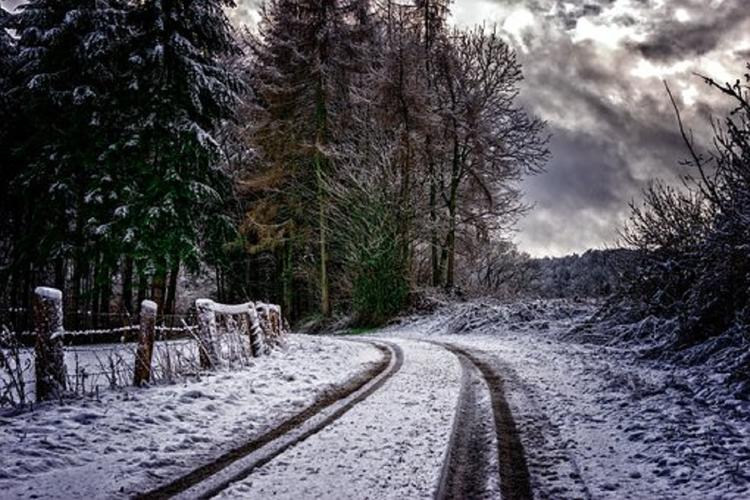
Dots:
{"x": 279, "y": 321}
{"x": 254, "y": 331}
{"x": 146, "y": 337}
{"x": 49, "y": 359}
{"x": 206, "y": 333}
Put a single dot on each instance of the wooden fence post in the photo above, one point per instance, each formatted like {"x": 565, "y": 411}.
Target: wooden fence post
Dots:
{"x": 49, "y": 357}
{"x": 146, "y": 337}
{"x": 206, "y": 333}
{"x": 265, "y": 325}
{"x": 255, "y": 331}
{"x": 275, "y": 322}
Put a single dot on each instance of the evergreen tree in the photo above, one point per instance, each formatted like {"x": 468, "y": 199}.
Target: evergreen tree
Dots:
{"x": 8, "y": 115}
{"x": 62, "y": 80}
{"x": 180, "y": 91}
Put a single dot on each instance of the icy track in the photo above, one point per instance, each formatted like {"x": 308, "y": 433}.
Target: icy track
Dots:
{"x": 599, "y": 422}
{"x": 391, "y": 445}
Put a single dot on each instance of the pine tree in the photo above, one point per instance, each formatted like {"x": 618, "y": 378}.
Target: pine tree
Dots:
{"x": 180, "y": 91}
{"x": 8, "y": 115}
{"x": 62, "y": 80}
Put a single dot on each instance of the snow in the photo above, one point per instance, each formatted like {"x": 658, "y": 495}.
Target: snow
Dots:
{"x": 148, "y": 306}
{"x": 131, "y": 439}
{"x": 48, "y": 293}
{"x": 602, "y": 421}
{"x": 597, "y": 420}
{"x": 391, "y": 445}
{"x": 232, "y": 309}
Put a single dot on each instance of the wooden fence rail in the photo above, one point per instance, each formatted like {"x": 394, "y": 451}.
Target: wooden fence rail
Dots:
{"x": 264, "y": 321}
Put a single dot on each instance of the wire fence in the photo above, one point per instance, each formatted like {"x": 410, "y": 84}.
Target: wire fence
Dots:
{"x": 96, "y": 366}
{"x": 97, "y": 328}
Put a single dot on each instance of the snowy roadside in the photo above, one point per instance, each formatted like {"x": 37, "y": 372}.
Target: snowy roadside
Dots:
{"x": 601, "y": 422}
{"x": 391, "y": 445}
{"x": 134, "y": 439}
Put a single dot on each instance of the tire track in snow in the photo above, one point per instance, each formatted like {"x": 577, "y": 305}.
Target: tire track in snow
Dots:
{"x": 470, "y": 470}
{"x": 515, "y": 482}
{"x": 208, "y": 480}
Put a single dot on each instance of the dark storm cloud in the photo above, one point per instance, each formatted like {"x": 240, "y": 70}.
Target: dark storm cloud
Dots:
{"x": 672, "y": 39}
{"x": 588, "y": 74}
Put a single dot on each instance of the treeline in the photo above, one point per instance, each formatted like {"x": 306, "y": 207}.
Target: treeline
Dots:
{"x": 389, "y": 148}
{"x": 508, "y": 273}
{"x": 333, "y": 159}
{"x": 693, "y": 241}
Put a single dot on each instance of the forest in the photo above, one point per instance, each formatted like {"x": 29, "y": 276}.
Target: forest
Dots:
{"x": 333, "y": 159}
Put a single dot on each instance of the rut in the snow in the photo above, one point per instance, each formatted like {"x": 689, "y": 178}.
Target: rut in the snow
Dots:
{"x": 470, "y": 470}
{"x": 336, "y": 403}
{"x": 514, "y": 474}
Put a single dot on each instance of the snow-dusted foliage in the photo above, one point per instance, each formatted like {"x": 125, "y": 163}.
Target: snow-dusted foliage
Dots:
{"x": 115, "y": 161}
{"x": 404, "y": 136}
{"x": 694, "y": 265}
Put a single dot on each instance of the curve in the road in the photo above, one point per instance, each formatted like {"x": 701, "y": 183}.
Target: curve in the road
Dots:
{"x": 209, "y": 479}
{"x": 515, "y": 483}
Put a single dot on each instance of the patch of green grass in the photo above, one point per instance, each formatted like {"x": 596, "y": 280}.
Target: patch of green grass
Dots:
{"x": 361, "y": 330}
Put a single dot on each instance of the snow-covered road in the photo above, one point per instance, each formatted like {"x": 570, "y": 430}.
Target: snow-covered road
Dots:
{"x": 591, "y": 422}
{"x": 601, "y": 422}
{"x": 391, "y": 445}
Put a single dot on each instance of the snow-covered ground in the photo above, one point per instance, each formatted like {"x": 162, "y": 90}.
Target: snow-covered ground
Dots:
{"x": 598, "y": 421}
{"x": 391, "y": 445}
{"x": 133, "y": 439}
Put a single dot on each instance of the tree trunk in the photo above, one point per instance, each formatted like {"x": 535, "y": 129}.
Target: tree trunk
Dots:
{"x": 288, "y": 277}
{"x": 105, "y": 289}
{"x": 60, "y": 273}
{"x": 321, "y": 133}
{"x": 325, "y": 301}
{"x": 434, "y": 255}
{"x": 158, "y": 286}
{"x": 127, "y": 286}
{"x": 172, "y": 287}
{"x": 452, "y": 205}
{"x": 142, "y": 286}
{"x": 95, "y": 293}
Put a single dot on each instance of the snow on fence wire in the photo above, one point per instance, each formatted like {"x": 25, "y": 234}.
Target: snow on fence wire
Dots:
{"x": 226, "y": 336}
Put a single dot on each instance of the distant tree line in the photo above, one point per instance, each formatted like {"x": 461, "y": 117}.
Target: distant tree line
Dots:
{"x": 505, "y": 272}
{"x": 332, "y": 160}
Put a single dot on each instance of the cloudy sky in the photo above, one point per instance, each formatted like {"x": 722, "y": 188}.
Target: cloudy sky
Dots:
{"x": 594, "y": 71}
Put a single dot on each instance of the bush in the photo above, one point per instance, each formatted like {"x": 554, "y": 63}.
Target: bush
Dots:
{"x": 694, "y": 260}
